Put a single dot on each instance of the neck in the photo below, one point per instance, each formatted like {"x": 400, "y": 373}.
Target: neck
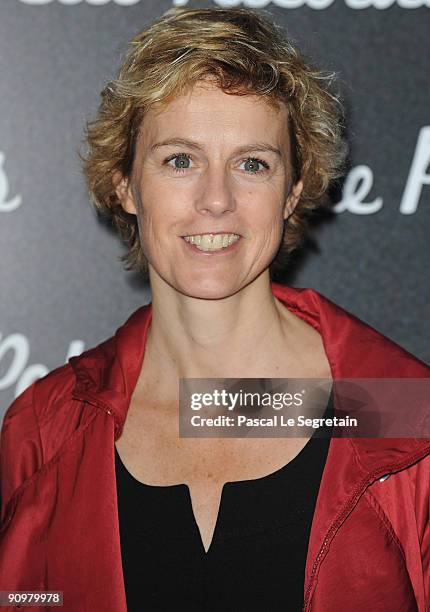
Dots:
{"x": 234, "y": 337}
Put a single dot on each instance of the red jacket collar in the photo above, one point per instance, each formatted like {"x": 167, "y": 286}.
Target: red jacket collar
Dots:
{"x": 107, "y": 374}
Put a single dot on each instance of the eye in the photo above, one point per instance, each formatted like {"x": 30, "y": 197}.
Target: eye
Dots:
{"x": 252, "y": 165}
{"x": 181, "y": 162}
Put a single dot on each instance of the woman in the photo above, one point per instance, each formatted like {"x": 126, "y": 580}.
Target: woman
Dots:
{"x": 209, "y": 151}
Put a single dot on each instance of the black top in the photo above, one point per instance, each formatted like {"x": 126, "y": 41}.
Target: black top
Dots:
{"x": 257, "y": 556}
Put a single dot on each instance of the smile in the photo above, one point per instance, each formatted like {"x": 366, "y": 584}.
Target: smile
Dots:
{"x": 212, "y": 242}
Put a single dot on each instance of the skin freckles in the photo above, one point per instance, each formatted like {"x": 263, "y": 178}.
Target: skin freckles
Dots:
{"x": 200, "y": 166}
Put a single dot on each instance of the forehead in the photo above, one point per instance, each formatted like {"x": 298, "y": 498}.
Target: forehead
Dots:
{"x": 206, "y": 113}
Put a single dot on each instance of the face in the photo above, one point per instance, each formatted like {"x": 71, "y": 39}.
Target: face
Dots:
{"x": 211, "y": 186}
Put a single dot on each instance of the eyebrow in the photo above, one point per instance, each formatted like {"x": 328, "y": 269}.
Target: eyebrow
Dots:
{"x": 254, "y": 146}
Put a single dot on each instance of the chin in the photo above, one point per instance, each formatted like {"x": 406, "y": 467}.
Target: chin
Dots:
{"x": 208, "y": 289}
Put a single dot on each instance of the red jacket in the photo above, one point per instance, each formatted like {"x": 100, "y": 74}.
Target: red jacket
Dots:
{"x": 369, "y": 547}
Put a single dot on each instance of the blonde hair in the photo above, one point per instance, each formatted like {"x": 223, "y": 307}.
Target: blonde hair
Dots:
{"x": 245, "y": 53}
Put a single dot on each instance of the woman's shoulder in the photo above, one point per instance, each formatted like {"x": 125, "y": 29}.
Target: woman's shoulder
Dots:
{"x": 44, "y": 398}
{"x": 22, "y": 449}
{"x": 39, "y": 421}
{"x": 354, "y": 347}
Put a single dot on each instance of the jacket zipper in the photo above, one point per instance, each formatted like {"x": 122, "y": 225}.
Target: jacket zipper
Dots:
{"x": 348, "y": 507}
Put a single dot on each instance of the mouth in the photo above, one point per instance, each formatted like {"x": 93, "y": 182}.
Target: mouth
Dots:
{"x": 219, "y": 242}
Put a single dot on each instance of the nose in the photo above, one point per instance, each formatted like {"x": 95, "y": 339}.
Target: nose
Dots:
{"x": 216, "y": 192}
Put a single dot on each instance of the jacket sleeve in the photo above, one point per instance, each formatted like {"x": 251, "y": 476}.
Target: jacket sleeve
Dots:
{"x": 20, "y": 447}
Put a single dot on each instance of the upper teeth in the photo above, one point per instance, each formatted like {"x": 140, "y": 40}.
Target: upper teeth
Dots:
{"x": 212, "y": 242}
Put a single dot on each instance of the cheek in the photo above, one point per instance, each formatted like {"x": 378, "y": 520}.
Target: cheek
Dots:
{"x": 165, "y": 202}
{"x": 266, "y": 204}
{"x": 158, "y": 225}
{"x": 267, "y": 221}
{"x": 151, "y": 231}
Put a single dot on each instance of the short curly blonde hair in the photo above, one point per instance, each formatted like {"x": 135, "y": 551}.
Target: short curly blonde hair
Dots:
{"x": 245, "y": 53}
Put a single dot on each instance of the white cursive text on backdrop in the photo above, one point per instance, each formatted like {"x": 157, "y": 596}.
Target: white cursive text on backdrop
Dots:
{"x": 5, "y": 204}
{"x": 19, "y": 372}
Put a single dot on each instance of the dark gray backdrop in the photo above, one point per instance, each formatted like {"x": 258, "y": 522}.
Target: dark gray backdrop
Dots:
{"x": 62, "y": 287}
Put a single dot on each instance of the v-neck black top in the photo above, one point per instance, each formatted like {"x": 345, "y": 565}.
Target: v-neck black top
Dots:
{"x": 257, "y": 556}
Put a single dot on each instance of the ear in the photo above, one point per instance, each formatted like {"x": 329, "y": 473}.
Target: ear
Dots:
{"x": 124, "y": 192}
{"x": 293, "y": 199}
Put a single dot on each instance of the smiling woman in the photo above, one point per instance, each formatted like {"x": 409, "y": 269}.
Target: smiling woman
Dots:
{"x": 225, "y": 193}
{"x": 209, "y": 152}
{"x": 238, "y": 71}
